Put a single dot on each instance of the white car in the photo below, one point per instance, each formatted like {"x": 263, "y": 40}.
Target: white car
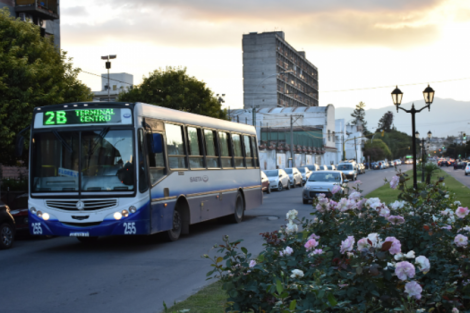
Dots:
{"x": 295, "y": 177}
{"x": 305, "y": 173}
{"x": 323, "y": 182}
{"x": 278, "y": 179}
{"x": 467, "y": 169}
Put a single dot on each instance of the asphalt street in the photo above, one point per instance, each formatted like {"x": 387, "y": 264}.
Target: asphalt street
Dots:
{"x": 459, "y": 175}
{"x": 134, "y": 274}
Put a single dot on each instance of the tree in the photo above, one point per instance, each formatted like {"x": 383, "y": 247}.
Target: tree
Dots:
{"x": 359, "y": 115}
{"x": 386, "y": 121}
{"x": 32, "y": 73}
{"x": 173, "y": 88}
{"x": 377, "y": 150}
{"x": 399, "y": 143}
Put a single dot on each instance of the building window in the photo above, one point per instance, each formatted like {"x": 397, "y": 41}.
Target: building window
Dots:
{"x": 329, "y": 135}
{"x": 114, "y": 87}
{"x": 334, "y": 137}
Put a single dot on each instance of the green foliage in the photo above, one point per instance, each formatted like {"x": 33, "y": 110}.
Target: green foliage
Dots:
{"x": 32, "y": 73}
{"x": 377, "y": 150}
{"x": 359, "y": 114}
{"x": 385, "y": 123}
{"x": 174, "y": 89}
{"x": 398, "y": 142}
{"x": 348, "y": 277}
{"x": 20, "y": 184}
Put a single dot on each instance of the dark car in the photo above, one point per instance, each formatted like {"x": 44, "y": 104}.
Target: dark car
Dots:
{"x": 459, "y": 165}
{"x": 20, "y": 214}
{"x": 265, "y": 183}
{"x": 7, "y": 227}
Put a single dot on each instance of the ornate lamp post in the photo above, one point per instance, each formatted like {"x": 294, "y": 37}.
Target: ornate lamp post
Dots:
{"x": 397, "y": 96}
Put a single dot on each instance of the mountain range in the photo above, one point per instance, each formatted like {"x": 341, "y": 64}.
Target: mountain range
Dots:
{"x": 447, "y": 117}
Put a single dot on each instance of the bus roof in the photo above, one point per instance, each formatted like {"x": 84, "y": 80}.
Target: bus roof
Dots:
{"x": 170, "y": 115}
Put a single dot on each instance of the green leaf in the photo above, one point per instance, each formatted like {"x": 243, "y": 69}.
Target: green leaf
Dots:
{"x": 244, "y": 250}
{"x": 292, "y": 305}
{"x": 332, "y": 300}
{"x": 279, "y": 287}
{"x": 219, "y": 259}
{"x": 261, "y": 258}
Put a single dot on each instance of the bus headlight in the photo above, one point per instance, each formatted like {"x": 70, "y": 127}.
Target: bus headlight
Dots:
{"x": 132, "y": 209}
{"x": 124, "y": 213}
{"x": 117, "y": 215}
{"x": 45, "y": 216}
{"x": 33, "y": 210}
{"x": 39, "y": 213}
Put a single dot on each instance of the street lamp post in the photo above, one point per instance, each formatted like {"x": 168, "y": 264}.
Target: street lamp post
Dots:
{"x": 108, "y": 66}
{"x": 397, "y": 96}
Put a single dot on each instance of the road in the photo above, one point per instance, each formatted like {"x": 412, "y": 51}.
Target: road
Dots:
{"x": 133, "y": 274}
{"x": 459, "y": 175}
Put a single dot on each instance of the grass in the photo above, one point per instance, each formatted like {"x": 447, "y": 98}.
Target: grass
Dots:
{"x": 210, "y": 299}
{"x": 462, "y": 193}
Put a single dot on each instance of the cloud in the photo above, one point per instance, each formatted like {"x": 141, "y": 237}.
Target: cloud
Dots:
{"x": 216, "y": 23}
{"x": 76, "y": 11}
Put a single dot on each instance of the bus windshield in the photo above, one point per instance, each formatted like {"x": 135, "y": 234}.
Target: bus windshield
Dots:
{"x": 105, "y": 158}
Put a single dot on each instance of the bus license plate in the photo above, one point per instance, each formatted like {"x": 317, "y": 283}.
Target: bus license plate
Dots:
{"x": 80, "y": 234}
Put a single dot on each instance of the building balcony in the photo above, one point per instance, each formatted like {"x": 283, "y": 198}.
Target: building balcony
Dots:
{"x": 43, "y": 9}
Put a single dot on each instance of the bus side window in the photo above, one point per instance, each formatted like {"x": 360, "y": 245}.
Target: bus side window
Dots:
{"x": 237, "y": 150}
{"x": 225, "y": 152}
{"x": 196, "y": 158}
{"x": 157, "y": 168}
{"x": 255, "y": 151}
{"x": 248, "y": 151}
{"x": 175, "y": 146}
{"x": 212, "y": 155}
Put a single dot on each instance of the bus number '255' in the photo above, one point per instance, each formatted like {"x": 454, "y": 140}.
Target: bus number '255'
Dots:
{"x": 129, "y": 228}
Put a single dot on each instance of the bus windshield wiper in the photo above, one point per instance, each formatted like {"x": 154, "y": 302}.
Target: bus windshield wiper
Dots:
{"x": 62, "y": 141}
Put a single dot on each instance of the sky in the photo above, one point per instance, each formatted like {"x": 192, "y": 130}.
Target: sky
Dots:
{"x": 362, "y": 48}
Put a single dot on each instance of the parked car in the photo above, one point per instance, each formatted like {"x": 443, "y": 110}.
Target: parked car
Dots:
{"x": 21, "y": 213}
{"x": 323, "y": 168}
{"x": 313, "y": 167}
{"x": 375, "y": 165}
{"x": 322, "y": 182}
{"x": 7, "y": 227}
{"x": 459, "y": 165}
{"x": 361, "y": 168}
{"x": 305, "y": 173}
{"x": 278, "y": 179}
{"x": 331, "y": 167}
{"x": 348, "y": 170}
{"x": 265, "y": 183}
{"x": 467, "y": 169}
{"x": 295, "y": 177}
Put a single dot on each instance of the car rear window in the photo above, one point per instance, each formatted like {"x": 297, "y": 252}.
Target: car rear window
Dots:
{"x": 288, "y": 170}
{"x": 271, "y": 173}
{"x": 325, "y": 177}
{"x": 345, "y": 167}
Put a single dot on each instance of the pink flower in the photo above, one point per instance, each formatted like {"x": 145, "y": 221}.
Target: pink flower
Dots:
{"x": 455, "y": 310}
{"x": 355, "y": 195}
{"x": 396, "y": 245}
{"x": 313, "y": 236}
{"x": 252, "y": 263}
{"x": 461, "y": 240}
{"x": 335, "y": 189}
{"x": 447, "y": 227}
{"x": 347, "y": 244}
{"x": 360, "y": 203}
{"x": 358, "y": 182}
{"x": 404, "y": 270}
{"x": 316, "y": 251}
{"x": 394, "y": 182}
{"x": 384, "y": 211}
{"x": 413, "y": 289}
{"x": 396, "y": 219}
{"x": 461, "y": 212}
{"x": 287, "y": 251}
{"x": 363, "y": 244}
{"x": 311, "y": 244}
{"x": 343, "y": 205}
{"x": 423, "y": 263}
{"x": 333, "y": 205}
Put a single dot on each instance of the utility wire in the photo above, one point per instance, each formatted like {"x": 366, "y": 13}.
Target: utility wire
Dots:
{"x": 106, "y": 76}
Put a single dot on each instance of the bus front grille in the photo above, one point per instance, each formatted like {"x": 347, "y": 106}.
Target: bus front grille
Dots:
{"x": 88, "y": 205}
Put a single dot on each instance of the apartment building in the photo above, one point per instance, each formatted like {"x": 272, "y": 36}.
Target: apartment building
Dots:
{"x": 275, "y": 74}
{"x": 44, "y": 13}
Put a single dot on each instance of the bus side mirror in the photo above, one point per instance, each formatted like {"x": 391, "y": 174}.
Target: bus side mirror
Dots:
{"x": 19, "y": 146}
{"x": 156, "y": 142}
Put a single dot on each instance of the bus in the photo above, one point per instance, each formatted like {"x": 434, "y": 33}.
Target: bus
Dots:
{"x": 110, "y": 168}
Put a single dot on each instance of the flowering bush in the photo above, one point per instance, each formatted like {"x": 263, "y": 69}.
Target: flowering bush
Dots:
{"x": 358, "y": 255}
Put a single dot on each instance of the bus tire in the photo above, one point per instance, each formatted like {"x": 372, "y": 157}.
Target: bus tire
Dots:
{"x": 237, "y": 217}
{"x": 87, "y": 240}
{"x": 175, "y": 233}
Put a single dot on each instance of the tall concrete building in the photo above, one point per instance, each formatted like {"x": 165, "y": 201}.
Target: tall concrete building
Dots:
{"x": 118, "y": 82}
{"x": 44, "y": 13}
{"x": 265, "y": 57}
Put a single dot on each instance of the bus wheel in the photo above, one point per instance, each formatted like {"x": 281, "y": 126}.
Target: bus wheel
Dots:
{"x": 88, "y": 240}
{"x": 175, "y": 233}
{"x": 237, "y": 217}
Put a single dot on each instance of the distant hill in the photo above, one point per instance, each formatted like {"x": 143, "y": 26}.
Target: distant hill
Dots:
{"x": 447, "y": 117}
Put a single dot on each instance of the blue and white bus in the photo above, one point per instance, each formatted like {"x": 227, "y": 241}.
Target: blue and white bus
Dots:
{"x": 102, "y": 169}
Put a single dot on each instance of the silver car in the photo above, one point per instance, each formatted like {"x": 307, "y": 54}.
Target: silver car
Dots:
{"x": 295, "y": 177}
{"x": 323, "y": 182}
{"x": 305, "y": 173}
{"x": 348, "y": 170}
{"x": 278, "y": 179}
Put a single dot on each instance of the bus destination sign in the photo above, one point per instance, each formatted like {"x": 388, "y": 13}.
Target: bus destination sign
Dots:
{"x": 85, "y": 116}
